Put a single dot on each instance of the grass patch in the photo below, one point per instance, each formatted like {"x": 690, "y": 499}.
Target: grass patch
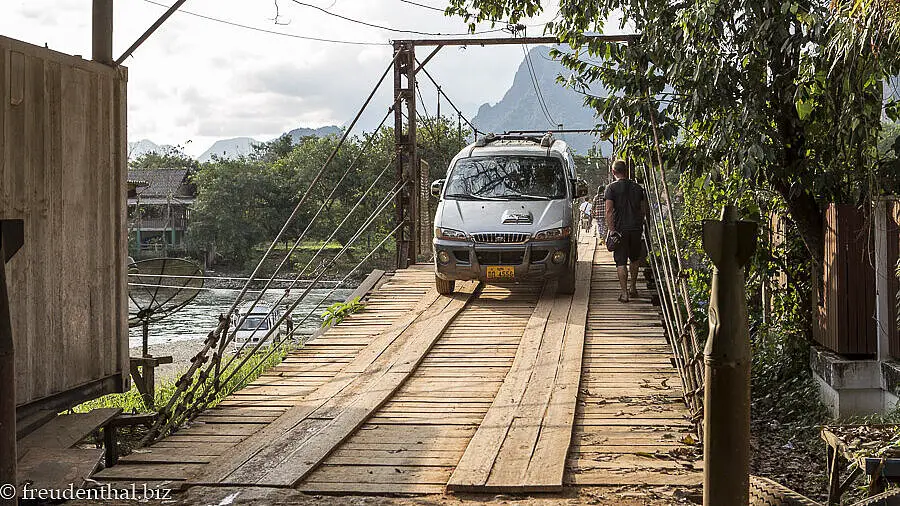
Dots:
{"x": 132, "y": 402}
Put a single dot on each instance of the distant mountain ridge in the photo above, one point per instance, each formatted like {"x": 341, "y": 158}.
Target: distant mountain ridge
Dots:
{"x": 228, "y": 148}
{"x": 520, "y": 109}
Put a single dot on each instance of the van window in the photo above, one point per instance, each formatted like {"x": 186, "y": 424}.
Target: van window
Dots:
{"x": 507, "y": 178}
{"x": 253, "y": 321}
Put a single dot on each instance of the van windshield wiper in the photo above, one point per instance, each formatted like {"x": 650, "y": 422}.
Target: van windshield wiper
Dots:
{"x": 523, "y": 196}
{"x": 466, "y": 196}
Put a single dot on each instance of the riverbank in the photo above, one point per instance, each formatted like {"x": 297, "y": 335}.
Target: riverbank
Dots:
{"x": 181, "y": 352}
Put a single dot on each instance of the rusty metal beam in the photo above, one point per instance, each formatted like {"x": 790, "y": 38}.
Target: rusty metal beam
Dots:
{"x": 499, "y": 41}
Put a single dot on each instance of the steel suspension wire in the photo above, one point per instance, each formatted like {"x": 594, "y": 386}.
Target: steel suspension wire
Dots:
{"x": 325, "y": 203}
{"x": 441, "y": 91}
{"x": 220, "y": 335}
{"x": 312, "y": 185}
{"x": 677, "y": 307}
{"x": 319, "y": 304}
{"x": 205, "y": 397}
{"x": 663, "y": 269}
{"x": 321, "y": 248}
{"x": 183, "y": 412}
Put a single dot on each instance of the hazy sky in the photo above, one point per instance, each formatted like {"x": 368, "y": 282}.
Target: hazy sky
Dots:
{"x": 199, "y": 80}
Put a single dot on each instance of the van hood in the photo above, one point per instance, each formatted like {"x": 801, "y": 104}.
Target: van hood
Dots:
{"x": 472, "y": 216}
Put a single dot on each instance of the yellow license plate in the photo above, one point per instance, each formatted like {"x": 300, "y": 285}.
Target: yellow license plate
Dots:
{"x": 500, "y": 272}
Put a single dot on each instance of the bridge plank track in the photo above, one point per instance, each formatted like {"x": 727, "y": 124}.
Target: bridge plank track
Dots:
{"x": 522, "y": 443}
{"x": 421, "y": 433}
{"x": 292, "y": 455}
{"x": 375, "y": 366}
{"x": 631, "y": 418}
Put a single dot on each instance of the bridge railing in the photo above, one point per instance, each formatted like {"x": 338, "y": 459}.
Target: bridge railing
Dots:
{"x": 678, "y": 314}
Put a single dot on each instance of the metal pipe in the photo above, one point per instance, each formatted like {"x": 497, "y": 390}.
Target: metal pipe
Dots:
{"x": 726, "y": 439}
{"x": 146, "y": 35}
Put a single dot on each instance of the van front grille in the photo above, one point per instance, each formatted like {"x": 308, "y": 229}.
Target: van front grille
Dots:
{"x": 500, "y": 237}
{"x": 500, "y": 257}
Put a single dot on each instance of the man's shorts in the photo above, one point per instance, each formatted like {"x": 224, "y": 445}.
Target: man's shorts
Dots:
{"x": 631, "y": 247}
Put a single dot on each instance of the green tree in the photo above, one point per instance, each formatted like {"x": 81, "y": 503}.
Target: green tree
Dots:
{"x": 231, "y": 207}
{"x": 171, "y": 158}
{"x": 733, "y": 86}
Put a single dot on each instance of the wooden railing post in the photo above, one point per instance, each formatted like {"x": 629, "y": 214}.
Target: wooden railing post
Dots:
{"x": 726, "y": 438}
{"x": 11, "y": 237}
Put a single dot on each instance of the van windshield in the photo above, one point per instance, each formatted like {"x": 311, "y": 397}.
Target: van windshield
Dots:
{"x": 506, "y": 178}
{"x": 252, "y": 322}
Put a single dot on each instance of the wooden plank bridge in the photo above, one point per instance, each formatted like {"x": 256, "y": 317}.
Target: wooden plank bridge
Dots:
{"x": 497, "y": 388}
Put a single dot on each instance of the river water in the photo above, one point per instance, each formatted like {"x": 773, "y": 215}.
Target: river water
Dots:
{"x": 200, "y": 316}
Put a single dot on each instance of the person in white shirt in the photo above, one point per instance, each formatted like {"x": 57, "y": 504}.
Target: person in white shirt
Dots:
{"x": 585, "y": 209}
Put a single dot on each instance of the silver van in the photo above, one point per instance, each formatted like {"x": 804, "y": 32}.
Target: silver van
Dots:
{"x": 507, "y": 212}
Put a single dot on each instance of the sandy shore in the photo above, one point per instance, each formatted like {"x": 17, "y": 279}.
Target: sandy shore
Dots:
{"x": 181, "y": 352}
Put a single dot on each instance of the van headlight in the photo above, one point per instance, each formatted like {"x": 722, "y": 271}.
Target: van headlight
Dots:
{"x": 552, "y": 234}
{"x": 450, "y": 234}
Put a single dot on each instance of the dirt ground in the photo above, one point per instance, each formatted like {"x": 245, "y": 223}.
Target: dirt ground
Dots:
{"x": 619, "y": 496}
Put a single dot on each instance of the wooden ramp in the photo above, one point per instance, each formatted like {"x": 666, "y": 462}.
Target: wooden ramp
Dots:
{"x": 501, "y": 387}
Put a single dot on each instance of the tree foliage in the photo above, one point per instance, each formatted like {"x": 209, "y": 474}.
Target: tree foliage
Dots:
{"x": 733, "y": 86}
{"x": 171, "y": 158}
{"x": 242, "y": 204}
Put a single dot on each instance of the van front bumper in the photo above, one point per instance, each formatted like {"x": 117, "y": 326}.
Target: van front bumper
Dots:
{"x": 462, "y": 260}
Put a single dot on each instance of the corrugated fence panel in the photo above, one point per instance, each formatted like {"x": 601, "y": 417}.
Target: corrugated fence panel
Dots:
{"x": 846, "y": 322}
{"x": 62, "y": 170}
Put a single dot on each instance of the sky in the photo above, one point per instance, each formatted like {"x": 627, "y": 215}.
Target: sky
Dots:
{"x": 196, "y": 81}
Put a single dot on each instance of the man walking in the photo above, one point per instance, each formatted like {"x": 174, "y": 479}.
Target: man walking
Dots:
{"x": 626, "y": 208}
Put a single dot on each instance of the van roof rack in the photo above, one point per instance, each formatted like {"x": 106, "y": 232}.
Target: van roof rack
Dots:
{"x": 546, "y": 140}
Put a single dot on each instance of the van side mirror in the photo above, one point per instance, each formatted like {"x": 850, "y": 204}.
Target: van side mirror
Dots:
{"x": 581, "y": 188}
{"x": 437, "y": 187}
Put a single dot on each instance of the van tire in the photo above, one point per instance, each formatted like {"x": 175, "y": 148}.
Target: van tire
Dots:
{"x": 566, "y": 283}
{"x": 444, "y": 287}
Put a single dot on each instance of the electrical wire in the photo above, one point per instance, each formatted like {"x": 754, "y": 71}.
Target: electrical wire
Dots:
{"x": 396, "y": 30}
{"x": 273, "y": 32}
{"x": 441, "y": 91}
{"x": 423, "y": 5}
{"x": 537, "y": 88}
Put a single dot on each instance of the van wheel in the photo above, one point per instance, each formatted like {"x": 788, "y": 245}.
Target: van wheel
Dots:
{"x": 444, "y": 287}
{"x": 566, "y": 283}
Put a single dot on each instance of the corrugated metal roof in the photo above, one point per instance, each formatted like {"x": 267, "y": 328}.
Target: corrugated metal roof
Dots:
{"x": 159, "y": 182}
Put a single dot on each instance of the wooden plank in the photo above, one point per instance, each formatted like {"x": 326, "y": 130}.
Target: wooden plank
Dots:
{"x": 547, "y": 464}
{"x": 65, "y": 431}
{"x": 56, "y": 468}
{"x": 504, "y": 453}
{"x": 366, "y": 286}
{"x": 349, "y": 410}
{"x": 168, "y": 471}
{"x": 477, "y": 461}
